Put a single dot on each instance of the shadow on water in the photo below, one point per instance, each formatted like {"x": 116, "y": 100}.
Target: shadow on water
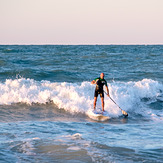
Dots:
{"x": 36, "y": 112}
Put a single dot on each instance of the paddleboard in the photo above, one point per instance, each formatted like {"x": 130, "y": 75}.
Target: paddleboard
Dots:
{"x": 98, "y": 115}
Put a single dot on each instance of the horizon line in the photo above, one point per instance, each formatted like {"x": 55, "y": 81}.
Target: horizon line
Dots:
{"x": 83, "y": 44}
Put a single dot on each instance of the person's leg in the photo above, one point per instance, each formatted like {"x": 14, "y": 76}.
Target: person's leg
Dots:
{"x": 95, "y": 99}
{"x": 102, "y": 102}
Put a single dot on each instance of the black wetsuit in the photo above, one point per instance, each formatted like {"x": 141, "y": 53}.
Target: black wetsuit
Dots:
{"x": 99, "y": 87}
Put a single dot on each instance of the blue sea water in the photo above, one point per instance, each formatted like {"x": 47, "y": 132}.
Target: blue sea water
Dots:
{"x": 46, "y": 96}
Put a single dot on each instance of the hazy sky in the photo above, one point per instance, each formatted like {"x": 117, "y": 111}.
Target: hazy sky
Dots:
{"x": 81, "y": 21}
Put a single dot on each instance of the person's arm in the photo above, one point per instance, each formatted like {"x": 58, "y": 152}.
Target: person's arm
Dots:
{"x": 93, "y": 82}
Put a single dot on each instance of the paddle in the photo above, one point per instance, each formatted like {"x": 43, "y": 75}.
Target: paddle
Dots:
{"x": 123, "y": 112}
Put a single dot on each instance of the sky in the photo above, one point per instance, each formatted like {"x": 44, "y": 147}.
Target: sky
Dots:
{"x": 81, "y": 22}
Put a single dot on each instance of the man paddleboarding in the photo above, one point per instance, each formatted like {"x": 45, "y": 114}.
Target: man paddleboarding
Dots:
{"x": 100, "y": 82}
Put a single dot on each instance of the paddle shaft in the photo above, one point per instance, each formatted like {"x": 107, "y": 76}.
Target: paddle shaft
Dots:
{"x": 112, "y": 100}
{"x": 123, "y": 112}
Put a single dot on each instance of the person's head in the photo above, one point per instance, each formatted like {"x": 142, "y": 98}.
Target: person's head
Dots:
{"x": 102, "y": 75}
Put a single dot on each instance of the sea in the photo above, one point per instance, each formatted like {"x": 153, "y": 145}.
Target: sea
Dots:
{"x": 46, "y": 96}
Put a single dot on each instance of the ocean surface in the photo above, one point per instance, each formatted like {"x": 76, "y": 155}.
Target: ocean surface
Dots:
{"x": 46, "y": 95}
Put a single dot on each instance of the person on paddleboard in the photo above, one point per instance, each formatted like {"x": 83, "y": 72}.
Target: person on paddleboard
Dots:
{"x": 100, "y": 82}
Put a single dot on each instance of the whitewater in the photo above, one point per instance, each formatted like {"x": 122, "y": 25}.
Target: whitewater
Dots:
{"x": 46, "y": 96}
{"x": 78, "y": 97}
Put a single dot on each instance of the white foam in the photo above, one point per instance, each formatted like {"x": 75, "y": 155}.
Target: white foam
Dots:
{"x": 74, "y": 148}
{"x": 76, "y": 136}
{"x": 78, "y": 97}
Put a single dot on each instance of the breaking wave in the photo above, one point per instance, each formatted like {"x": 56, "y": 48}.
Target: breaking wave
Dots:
{"x": 145, "y": 96}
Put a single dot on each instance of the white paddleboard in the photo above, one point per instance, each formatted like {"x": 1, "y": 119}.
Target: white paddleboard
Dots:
{"x": 98, "y": 115}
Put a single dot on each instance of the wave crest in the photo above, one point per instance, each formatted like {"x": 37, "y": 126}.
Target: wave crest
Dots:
{"x": 78, "y": 97}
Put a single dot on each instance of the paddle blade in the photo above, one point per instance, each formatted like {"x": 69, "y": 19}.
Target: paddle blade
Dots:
{"x": 124, "y": 113}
